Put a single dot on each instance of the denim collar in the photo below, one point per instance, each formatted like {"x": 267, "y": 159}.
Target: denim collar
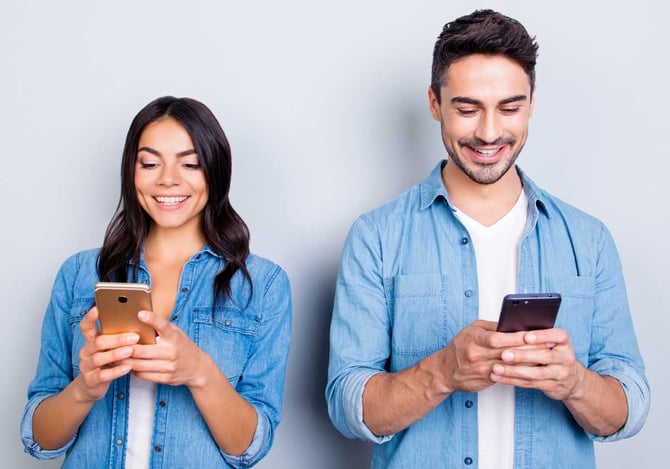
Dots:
{"x": 432, "y": 188}
{"x": 206, "y": 249}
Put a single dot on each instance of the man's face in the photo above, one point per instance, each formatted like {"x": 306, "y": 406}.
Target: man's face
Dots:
{"x": 486, "y": 104}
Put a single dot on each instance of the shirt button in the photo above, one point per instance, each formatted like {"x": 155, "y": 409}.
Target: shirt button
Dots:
{"x": 157, "y": 448}
{"x": 119, "y": 442}
{"x": 468, "y": 293}
{"x": 184, "y": 290}
{"x": 468, "y": 403}
{"x": 468, "y": 460}
{"x": 175, "y": 317}
{"x": 228, "y": 322}
{"x": 121, "y": 396}
{"x": 464, "y": 240}
{"x": 83, "y": 312}
{"x": 162, "y": 403}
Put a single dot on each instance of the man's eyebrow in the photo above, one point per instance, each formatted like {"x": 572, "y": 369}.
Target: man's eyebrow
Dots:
{"x": 476, "y": 102}
{"x": 514, "y": 99}
{"x": 190, "y": 151}
{"x": 464, "y": 100}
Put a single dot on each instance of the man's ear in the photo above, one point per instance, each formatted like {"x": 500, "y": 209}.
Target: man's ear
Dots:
{"x": 434, "y": 105}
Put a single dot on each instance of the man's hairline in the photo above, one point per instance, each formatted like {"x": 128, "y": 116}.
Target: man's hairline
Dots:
{"x": 443, "y": 78}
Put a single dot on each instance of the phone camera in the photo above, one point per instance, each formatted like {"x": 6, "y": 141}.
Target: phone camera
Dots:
{"x": 123, "y": 299}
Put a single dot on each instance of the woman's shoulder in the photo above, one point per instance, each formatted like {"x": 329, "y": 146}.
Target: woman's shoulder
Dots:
{"x": 86, "y": 260}
{"x": 261, "y": 268}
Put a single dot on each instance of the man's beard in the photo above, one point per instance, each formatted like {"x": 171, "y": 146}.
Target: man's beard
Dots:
{"x": 489, "y": 173}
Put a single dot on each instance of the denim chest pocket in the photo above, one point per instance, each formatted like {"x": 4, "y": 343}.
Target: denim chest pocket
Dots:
{"x": 227, "y": 335}
{"x": 419, "y": 313}
{"x": 576, "y": 312}
{"x": 79, "y": 308}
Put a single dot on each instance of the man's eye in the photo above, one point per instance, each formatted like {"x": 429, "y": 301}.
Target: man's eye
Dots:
{"x": 510, "y": 110}
{"x": 467, "y": 112}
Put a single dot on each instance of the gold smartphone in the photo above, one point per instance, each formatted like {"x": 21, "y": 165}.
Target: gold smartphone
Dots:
{"x": 118, "y": 305}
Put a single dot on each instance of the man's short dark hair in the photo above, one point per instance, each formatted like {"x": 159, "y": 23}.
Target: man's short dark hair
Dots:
{"x": 483, "y": 32}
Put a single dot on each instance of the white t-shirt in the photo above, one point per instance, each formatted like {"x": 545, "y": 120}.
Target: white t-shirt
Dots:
{"x": 497, "y": 253}
{"x": 142, "y": 395}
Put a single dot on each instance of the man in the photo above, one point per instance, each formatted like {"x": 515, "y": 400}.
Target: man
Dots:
{"x": 416, "y": 364}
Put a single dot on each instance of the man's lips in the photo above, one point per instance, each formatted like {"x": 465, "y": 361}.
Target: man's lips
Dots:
{"x": 486, "y": 154}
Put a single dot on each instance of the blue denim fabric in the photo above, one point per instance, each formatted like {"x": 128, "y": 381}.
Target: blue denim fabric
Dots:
{"x": 248, "y": 342}
{"x": 408, "y": 284}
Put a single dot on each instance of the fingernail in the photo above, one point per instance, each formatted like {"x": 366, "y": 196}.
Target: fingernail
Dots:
{"x": 132, "y": 338}
{"x": 143, "y": 315}
{"x": 498, "y": 369}
{"x": 531, "y": 337}
{"x": 508, "y": 355}
{"x": 126, "y": 352}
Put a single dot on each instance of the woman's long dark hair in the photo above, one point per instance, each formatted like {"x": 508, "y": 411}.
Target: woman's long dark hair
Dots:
{"x": 222, "y": 227}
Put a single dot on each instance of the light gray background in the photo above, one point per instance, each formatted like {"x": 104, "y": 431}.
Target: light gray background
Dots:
{"x": 325, "y": 107}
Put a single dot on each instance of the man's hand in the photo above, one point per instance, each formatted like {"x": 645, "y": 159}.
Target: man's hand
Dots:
{"x": 549, "y": 366}
{"x": 468, "y": 360}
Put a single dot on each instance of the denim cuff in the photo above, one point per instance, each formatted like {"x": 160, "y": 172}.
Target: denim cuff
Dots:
{"x": 637, "y": 396}
{"x": 353, "y": 408}
{"x": 252, "y": 454}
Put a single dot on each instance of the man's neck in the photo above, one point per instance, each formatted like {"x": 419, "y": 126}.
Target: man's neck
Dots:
{"x": 485, "y": 203}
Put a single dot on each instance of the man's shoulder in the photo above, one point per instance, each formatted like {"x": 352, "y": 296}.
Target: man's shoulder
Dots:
{"x": 558, "y": 206}
{"x": 400, "y": 206}
{"x": 558, "y": 210}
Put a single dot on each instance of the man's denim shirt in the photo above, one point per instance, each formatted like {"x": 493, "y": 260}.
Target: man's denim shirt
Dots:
{"x": 248, "y": 341}
{"x": 408, "y": 284}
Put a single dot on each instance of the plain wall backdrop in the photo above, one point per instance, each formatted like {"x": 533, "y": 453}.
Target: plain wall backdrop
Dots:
{"x": 325, "y": 106}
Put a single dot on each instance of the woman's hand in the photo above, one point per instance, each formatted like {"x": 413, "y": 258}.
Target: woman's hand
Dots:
{"x": 175, "y": 359}
{"x": 103, "y": 358}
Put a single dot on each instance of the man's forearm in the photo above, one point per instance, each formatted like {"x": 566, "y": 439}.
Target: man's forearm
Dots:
{"x": 394, "y": 401}
{"x": 598, "y": 404}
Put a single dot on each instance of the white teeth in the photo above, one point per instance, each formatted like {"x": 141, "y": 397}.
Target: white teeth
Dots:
{"x": 488, "y": 152}
{"x": 171, "y": 200}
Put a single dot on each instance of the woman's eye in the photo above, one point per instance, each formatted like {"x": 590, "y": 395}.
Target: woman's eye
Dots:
{"x": 192, "y": 165}
{"x": 148, "y": 165}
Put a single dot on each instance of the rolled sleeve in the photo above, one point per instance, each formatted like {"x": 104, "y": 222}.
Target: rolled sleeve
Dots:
{"x": 359, "y": 334}
{"x": 30, "y": 445}
{"x": 256, "y": 449}
{"x": 637, "y": 391}
{"x": 614, "y": 345}
{"x": 265, "y": 370}
{"x": 353, "y": 408}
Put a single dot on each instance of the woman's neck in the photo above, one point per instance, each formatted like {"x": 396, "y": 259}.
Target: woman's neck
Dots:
{"x": 172, "y": 246}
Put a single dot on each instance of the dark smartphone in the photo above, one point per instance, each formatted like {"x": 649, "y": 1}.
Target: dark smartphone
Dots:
{"x": 528, "y": 311}
{"x": 118, "y": 305}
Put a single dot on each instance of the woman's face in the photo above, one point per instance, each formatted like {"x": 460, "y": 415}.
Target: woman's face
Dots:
{"x": 169, "y": 180}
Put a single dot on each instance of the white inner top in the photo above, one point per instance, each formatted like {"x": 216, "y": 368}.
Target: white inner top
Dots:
{"x": 497, "y": 253}
{"x": 142, "y": 395}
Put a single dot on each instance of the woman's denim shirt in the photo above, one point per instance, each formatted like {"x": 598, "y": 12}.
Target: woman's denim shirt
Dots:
{"x": 247, "y": 336}
{"x": 408, "y": 284}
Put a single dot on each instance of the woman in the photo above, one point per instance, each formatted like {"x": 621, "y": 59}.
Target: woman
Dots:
{"x": 208, "y": 393}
